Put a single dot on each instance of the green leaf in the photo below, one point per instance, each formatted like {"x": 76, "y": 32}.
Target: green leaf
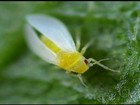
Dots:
{"x": 113, "y": 28}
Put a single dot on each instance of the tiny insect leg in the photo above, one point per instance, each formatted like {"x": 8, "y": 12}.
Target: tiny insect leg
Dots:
{"x": 78, "y": 39}
{"x": 98, "y": 63}
{"x": 83, "y": 50}
{"x": 70, "y": 73}
{"x": 81, "y": 79}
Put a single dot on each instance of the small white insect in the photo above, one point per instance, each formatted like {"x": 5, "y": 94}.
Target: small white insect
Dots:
{"x": 49, "y": 38}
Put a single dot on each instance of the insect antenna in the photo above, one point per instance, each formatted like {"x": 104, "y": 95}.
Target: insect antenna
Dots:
{"x": 93, "y": 62}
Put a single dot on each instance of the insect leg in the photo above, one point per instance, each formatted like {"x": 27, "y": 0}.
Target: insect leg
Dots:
{"x": 83, "y": 50}
{"x": 67, "y": 72}
{"x": 79, "y": 76}
{"x": 78, "y": 39}
{"x": 98, "y": 63}
{"x": 71, "y": 73}
{"x": 81, "y": 79}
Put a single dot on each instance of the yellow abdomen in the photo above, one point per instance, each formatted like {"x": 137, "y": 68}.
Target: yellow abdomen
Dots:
{"x": 71, "y": 61}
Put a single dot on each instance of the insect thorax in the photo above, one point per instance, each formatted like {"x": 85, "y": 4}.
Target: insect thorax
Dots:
{"x": 72, "y": 61}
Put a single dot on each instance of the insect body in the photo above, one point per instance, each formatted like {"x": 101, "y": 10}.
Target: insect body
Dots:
{"x": 72, "y": 61}
{"x": 50, "y": 39}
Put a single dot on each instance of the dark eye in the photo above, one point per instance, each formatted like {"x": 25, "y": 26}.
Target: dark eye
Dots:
{"x": 86, "y": 62}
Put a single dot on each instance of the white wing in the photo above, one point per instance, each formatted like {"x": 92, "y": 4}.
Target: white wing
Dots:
{"x": 38, "y": 47}
{"x": 53, "y": 29}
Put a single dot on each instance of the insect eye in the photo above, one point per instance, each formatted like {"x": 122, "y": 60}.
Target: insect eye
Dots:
{"x": 86, "y": 62}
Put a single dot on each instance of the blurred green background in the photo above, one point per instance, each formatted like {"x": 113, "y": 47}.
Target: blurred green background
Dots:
{"x": 112, "y": 26}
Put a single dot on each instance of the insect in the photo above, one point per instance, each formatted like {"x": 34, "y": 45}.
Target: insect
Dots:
{"x": 49, "y": 38}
